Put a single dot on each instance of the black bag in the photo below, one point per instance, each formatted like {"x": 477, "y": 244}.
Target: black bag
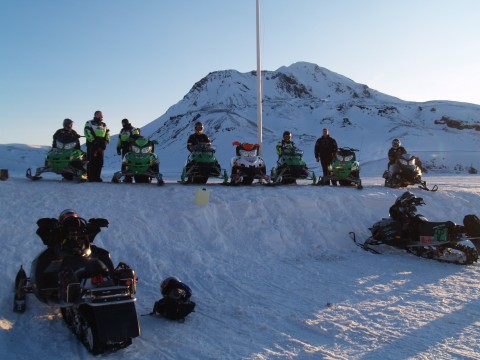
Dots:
{"x": 173, "y": 309}
{"x": 472, "y": 225}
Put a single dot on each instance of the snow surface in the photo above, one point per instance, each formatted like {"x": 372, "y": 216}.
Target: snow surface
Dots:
{"x": 273, "y": 270}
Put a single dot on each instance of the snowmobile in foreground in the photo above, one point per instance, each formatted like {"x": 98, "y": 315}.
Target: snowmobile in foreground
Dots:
{"x": 291, "y": 167}
{"x": 247, "y": 165}
{"x": 140, "y": 163}
{"x": 345, "y": 169}
{"x": 65, "y": 160}
{"x": 405, "y": 172}
{"x": 96, "y": 300}
{"x": 202, "y": 164}
{"x": 443, "y": 241}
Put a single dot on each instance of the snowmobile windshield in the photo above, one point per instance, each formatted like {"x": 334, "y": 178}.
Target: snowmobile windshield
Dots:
{"x": 65, "y": 146}
{"x": 204, "y": 147}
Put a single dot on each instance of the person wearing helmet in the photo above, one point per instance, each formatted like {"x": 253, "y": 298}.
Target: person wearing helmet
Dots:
{"x": 197, "y": 137}
{"x": 124, "y": 137}
{"x": 98, "y": 136}
{"x": 66, "y": 135}
{"x": 176, "y": 303}
{"x": 325, "y": 150}
{"x": 395, "y": 152}
{"x": 285, "y": 143}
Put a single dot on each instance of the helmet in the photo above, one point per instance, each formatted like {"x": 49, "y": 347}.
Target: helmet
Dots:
{"x": 98, "y": 114}
{"x": 67, "y": 122}
{"x": 396, "y": 143}
{"x": 198, "y": 126}
{"x": 69, "y": 218}
{"x": 125, "y": 122}
{"x": 287, "y": 133}
{"x": 168, "y": 284}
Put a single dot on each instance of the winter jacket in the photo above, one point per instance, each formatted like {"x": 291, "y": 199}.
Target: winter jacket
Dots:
{"x": 325, "y": 149}
{"x": 125, "y": 134}
{"x": 97, "y": 133}
{"x": 282, "y": 145}
{"x": 195, "y": 139}
{"x": 394, "y": 154}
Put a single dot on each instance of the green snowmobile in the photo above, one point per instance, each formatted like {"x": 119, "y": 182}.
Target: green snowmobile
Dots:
{"x": 345, "y": 169}
{"x": 140, "y": 163}
{"x": 291, "y": 167}
{"x": 65, "y": 160}
{"x": 202, "y": 164}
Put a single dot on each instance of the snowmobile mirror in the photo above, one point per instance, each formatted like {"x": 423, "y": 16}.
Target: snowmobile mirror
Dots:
{"x": 100, "y": 222}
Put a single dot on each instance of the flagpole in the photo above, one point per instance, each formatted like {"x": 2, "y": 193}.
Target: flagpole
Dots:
{"x": 259, "y": 83}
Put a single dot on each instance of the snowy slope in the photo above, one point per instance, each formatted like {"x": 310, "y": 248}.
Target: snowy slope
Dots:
{"x": 272, "y": 270}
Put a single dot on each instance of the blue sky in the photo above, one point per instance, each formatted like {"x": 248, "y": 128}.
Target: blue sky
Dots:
{"x": 134, "y": 59}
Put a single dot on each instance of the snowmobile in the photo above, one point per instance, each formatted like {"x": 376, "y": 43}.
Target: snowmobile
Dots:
{"x": 247, "y": 165}
{"x": 405, "y": 172}
{"x": 202, "y": 164}
{"x": 345, "y": 169}
{"x": 443, "y": 241}
{"x": 290, "y": 167}
{"x": 65, "y": 160}
{"x": 96, "y": 300}
{"x": 140, "y": 163}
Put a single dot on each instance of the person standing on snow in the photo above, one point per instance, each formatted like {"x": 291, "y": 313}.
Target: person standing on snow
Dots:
{"x": 98, "y": 136}
{"x": 66, "y": 135}
{"x": 198, "y": 137}
{"x": 325, "y": 151}
{"x": 123, "y": 143}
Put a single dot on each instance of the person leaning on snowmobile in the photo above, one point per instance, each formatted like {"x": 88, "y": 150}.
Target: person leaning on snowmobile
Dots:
{"x": 198, "y": 137}
{"x": 124, "y": 137}
{"x": 176, "y": 303}
{"x": 325, "y": 150}
{"x": 98, "y": 136}
{"x": 285, "y": 143}
{"x": 66, "y": 135}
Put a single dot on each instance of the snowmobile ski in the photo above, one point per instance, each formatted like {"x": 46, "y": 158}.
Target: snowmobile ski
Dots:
{"x": 364, "y": 246}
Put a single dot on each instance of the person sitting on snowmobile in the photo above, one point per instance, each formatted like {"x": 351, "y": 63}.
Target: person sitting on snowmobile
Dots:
{"x": 66, "y": 135}
{"x": 176, "y": 303}
{"x": 395, "y": 152}
{"x": 197, "y": 137}
{"x": 127, "y": 132}
{"x": 285, "y": 143}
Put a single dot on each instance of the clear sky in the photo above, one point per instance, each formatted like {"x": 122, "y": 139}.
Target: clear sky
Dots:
{"x": 134, "y": 59}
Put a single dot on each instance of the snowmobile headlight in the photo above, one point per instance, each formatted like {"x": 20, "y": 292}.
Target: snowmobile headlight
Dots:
{"x": 147, "y": 150}
{"x": 411, "y": 162}
{"x": 348, "y": 158}
{"x": 69, "y": 146}
{"x": 248, "y": 153}
{"x": 403, "y": 162}
{"x": 339, "y": 157}
{"x": 136, "y": 149}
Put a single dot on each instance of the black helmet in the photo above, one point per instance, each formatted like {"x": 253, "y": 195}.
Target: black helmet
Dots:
{"x": 69, "y": 218}
{"x": 125, "y": 122}
{"x": 287, "y": 133}
{"x": 396, "y": 143}
{"x": 168, "y": 284}
{"x": 67, "y": 122}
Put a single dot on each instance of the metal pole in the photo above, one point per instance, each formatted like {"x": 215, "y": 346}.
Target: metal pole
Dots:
{"x": 259, "y": 83}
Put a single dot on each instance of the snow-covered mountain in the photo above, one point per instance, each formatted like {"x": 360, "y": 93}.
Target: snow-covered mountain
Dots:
{"x": 304, "y": 98}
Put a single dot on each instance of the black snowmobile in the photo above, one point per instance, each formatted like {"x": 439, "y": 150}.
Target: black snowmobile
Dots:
{"x": 405, "y": 172}
{"x": 442, "y": 241}
{"x": 96, "y": 300}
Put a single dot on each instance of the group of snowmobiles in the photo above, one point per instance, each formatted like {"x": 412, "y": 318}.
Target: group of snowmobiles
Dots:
{"x": 95, "y": 298}
{"x": 142, "y": 165}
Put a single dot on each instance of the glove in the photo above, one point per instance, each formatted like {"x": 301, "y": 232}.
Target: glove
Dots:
{"x": 119, "y": 152}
